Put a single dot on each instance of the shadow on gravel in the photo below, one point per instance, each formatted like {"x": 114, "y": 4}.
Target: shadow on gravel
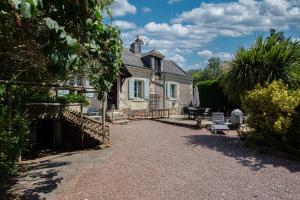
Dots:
{"x": 39, "y": 178}
{"x": 231, "y": 147}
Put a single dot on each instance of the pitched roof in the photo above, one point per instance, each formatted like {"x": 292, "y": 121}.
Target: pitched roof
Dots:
{"x": 170, "y": 67}
{"x": 154, "y": 53}
{"x": 131, "y": 59}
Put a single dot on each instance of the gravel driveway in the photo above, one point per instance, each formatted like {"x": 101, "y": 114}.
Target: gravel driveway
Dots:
{"x": 152, "y": 160}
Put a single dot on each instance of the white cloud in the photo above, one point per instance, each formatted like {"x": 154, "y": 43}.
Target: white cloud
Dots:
{"x": 173, "y": 1}
{"x": 205, "y": 54}
{"x": 124, "y": 25}
{"x": 122, "y": 7}
{"x": 190, "y": 31}
{"x": 243, "y": 17}
{"x": 295, "y": 39}
{"x": 222, "y": 55}
{"x": 146, "y": 10}
{"x": 178, "y": 59}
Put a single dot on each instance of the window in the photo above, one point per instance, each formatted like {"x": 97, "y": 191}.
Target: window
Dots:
{"x": 173, "y": 91}
{"x": 138, "y": 89}
{"x": 157, "y": 63}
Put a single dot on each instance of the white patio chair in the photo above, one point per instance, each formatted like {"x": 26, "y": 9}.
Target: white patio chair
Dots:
{"x": 218, "y": 123}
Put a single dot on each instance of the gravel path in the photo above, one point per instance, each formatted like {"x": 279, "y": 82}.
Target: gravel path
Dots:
{"x": 152, "y": 160}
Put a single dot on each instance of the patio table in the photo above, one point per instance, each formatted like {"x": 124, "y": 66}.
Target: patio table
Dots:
{"x": 192, "y": 112}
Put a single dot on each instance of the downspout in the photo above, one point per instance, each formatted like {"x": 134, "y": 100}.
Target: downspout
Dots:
{"x": 164, "y": 90}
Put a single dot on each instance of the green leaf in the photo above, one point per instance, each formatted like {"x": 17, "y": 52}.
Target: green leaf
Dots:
{"x": 2, "y": 12}
{"x": 71, "y": 60}
{"x": 52, "y": 24}
{"x": 54, "y": 58}
{"x": 70, "y": 41}
{"x": 33, "y": 2}
{"x": 26, "y": 10}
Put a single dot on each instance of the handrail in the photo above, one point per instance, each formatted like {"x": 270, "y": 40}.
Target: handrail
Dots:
{"x": 88, "y": 123}
{"x": 126, "y": 103}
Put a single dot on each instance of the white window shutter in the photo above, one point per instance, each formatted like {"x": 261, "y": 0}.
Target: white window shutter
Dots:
{"x": 168, "y": 90}
{"x": 130, "y": 88}
{"x": 176, "y": 91}
{"x": 146, "y": 88}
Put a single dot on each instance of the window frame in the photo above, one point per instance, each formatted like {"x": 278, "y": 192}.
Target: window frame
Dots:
{"x": 138, "y": 89}
{"x": 173, "y": 91}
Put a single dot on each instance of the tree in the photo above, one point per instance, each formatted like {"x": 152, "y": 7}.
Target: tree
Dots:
{"x": 268, "y": 59}
{"x": 214, "y": 67}
{"x": 49, "y": 40}
{"x": 59, "y": 37}
{"x": 211, "y": 72}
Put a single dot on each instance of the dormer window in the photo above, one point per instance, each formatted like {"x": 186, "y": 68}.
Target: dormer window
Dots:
{"x": 157, "y": 64}
{"x": 154, "y": 60}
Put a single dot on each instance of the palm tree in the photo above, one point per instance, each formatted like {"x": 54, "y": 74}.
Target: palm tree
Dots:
{"x": 271, "y": 59}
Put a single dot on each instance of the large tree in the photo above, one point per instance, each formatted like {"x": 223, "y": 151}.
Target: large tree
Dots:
{"x": 46, "y": 37}
{"x": 48, "y": 40}
{"x": 214, "y": 67}
{"x": 266, "y": 60}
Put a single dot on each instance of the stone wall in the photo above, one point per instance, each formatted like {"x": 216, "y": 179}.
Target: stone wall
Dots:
{"x": 184, "y": 92}
{"x": 184, "y": 96}
{"x": 134, "y": 104}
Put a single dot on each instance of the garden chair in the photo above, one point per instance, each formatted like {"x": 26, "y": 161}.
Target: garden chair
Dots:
{"x": 206, "y": 113}
{"x": 185, "y": 112}
{"x": 218, "y": 123}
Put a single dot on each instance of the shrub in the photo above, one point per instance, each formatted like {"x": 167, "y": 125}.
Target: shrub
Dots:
{"x": 212, "y": 95}
{"x": 270, "y": 109}
{"x": 12, "y": 142}
{"x": 293, "y": 137}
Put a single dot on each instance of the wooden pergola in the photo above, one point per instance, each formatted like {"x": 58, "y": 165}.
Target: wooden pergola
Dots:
{"x": 57, "y": 86}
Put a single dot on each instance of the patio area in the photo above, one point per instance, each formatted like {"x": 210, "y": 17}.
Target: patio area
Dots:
{"x": 178, "y": 120}
{"x": 153, "y": 160}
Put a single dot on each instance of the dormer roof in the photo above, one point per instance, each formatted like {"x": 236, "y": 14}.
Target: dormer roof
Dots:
{"x": 154, "y": 53}
{"x": 130, "y": 59}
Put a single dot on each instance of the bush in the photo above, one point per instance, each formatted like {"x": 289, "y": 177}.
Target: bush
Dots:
{"x": 212, "y": 95}
{"x": 12, "y": 142}
{"x": 270, "y": 109}
{"x": 293, "y": 137}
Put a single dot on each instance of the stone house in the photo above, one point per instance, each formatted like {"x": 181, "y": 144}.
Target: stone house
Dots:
{"x": 150, "y": 81}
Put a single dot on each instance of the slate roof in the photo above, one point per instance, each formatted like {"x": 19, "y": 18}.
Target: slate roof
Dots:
{"x": 131, "y": 59}
{"x": 170, "y": 67}
{"x": 155, "y": 53}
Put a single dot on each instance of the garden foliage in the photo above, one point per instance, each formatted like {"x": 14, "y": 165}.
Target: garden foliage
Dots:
{"x": 212, "y": 95}
{"x": 270, "y": 109}
{"x": 47, "y": 41}
{"x": 272, "y": 58}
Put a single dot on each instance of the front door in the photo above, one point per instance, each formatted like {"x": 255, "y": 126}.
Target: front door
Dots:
{"x": 112, "y": 97}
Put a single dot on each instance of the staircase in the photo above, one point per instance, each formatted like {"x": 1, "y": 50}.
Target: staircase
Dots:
{"x": 89, "y": 126}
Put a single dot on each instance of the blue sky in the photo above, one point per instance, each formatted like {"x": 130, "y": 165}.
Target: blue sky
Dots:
{"x": 191, "y": 31}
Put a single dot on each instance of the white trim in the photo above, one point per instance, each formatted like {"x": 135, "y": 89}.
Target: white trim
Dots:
{"x": 176, "y": 84}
